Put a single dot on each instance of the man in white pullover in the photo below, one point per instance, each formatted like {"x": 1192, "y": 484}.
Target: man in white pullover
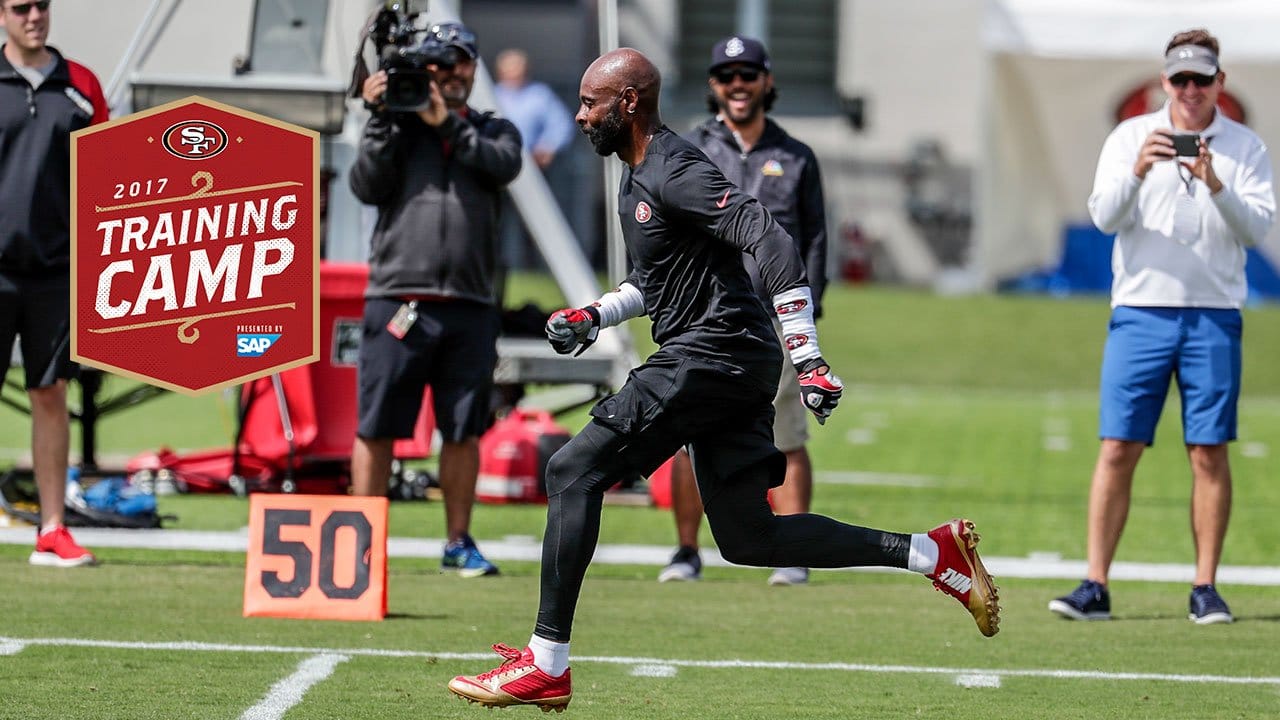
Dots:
{"x": 1183, "y": 209}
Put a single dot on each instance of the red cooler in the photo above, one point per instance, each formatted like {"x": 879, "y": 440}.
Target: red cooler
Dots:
{"x": 321, "y": 397}
{"x": 514, "y": 454}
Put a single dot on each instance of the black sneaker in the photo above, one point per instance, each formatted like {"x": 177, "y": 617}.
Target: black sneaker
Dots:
{"x": 1208, "y": 607}
{"x": 685, "y": 565}
{"x": 1089, "y": 601}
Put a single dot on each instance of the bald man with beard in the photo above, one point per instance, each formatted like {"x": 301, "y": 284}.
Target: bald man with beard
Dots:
{"x": 708, "y": 387}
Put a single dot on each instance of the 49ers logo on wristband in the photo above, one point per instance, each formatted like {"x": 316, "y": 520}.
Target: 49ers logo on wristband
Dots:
{"x": 643, "y": 212}
{"x": 795, "y": 341}
{"x": 794, "y": 306}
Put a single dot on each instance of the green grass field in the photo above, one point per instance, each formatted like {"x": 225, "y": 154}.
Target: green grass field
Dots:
{"x": 977, "y": 406}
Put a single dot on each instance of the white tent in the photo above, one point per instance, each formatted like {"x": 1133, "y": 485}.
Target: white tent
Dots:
{"x": 1056, "y": 70}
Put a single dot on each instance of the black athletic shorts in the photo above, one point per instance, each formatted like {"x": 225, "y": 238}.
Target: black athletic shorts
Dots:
{"x": 452, "y": 347}
{"x": 38, "y": 311}
{"x": 721, "y": 412}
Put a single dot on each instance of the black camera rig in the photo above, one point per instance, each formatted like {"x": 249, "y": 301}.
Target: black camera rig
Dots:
{"x": 408, "y": 45}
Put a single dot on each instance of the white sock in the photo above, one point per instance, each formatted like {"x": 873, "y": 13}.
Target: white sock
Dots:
{"x": 48, "y": 529}
{"x": 551, "y": 658}
{"x": 923, "y": 557}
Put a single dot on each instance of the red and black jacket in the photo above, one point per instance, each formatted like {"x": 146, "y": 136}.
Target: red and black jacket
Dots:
{"x": 35, "y": 162}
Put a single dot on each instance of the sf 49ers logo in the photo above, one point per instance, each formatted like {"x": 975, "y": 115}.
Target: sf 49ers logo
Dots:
{"x": 795, "y": 341}
{"x": 194, "y": 140}
{"x": 643, "y": 212}
{"x": 790, "y": 307}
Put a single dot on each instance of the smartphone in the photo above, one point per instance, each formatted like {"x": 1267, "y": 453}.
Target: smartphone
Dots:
{"x": 1185, "y": 144}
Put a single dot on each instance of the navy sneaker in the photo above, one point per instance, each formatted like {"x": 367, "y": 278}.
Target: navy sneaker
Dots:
{"x": 685, "y": 565}
{"x": 1089, "y": 601}
{"x": 464, "y": 557}
{"x": 1208, "y": 607}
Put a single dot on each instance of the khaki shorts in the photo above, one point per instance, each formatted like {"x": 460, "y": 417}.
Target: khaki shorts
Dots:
{"x": 791, "y": 418}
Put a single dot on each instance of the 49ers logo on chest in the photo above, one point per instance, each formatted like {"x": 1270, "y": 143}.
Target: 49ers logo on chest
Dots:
{"x": 643, "y": 212}
{"x": 195, "y": 245}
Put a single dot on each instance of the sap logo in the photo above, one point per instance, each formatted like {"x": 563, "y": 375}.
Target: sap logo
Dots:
{"x": 254, "y": 345}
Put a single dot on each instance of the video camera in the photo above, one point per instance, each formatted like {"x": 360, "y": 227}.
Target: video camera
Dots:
{"x": 407, "y": 44}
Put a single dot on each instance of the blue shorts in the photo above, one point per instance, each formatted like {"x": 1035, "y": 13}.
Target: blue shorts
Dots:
{"x": 1146, "y": 348}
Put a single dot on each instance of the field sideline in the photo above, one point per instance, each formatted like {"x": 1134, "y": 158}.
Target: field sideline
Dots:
{"x": 977, "y": 406}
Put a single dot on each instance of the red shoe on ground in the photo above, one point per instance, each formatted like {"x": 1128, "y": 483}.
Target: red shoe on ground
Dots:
{"x": 517, "y": 681}
{"x": 961, "y": 575}
{"x": 59, "y": 549}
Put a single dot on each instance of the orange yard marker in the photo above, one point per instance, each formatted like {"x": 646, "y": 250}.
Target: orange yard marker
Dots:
{"x": 321, "y": 557}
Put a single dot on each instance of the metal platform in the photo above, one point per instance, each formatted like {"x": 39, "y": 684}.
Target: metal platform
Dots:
{"x": 530, "y": 360}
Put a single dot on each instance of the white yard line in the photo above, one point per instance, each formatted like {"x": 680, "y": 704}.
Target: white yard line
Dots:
{"x": 528, "y": 549}
{"x": 289, "y": 691}
{"x": 644, "y": 661}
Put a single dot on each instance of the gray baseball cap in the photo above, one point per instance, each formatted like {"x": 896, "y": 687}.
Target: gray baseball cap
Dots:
{"x": 1190, "y": 58}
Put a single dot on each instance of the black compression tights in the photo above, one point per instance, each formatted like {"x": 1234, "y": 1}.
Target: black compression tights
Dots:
{"x": 745, "y": 529}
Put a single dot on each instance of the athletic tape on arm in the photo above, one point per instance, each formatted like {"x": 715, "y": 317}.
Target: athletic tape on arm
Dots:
{"x": 799, "y": 333}
{"x": 624, "y": 303}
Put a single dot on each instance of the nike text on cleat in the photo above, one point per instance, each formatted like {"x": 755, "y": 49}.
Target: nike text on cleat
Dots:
{"x": 517, "y": 681}
{"x": 960, "y": 574}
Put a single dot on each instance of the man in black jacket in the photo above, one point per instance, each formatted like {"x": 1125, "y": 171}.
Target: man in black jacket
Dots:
{"x": 436, "y": 176}
{"x": 709, "y": 385}
{"x": 43, "y": 98}
{"x": 781, "y": 172}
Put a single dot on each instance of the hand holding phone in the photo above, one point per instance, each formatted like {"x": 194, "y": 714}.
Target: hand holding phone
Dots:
{"x": 1185, "y": 144}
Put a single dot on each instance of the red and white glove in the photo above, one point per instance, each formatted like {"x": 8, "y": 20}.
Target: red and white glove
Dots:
{"x": 820, "y": 388}
{"x": 573, "y": 328}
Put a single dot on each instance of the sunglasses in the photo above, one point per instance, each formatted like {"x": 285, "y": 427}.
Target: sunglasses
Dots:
{"x": 724, "y": 77}
{"x": 1201, "y": 81}
{"x": 24, "y": 8}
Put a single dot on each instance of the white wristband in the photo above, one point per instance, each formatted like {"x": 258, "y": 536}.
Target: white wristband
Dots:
{"x": 799, "y": 333}
{"x": 624, "y": 303}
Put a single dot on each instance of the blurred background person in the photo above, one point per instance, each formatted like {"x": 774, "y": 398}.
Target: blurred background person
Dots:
{"x": 546, "y": 129}
{"x": 1183, "y": 217}
{"x": 436, "y": 176}
{"x": 758, "y": 156}
{"x": 43, "y": 99}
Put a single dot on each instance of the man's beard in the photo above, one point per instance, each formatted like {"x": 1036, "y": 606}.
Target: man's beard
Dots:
{"x": 454, "y": 94}
{"x": 754, "y": 107}
{"x": 610, "y": 135}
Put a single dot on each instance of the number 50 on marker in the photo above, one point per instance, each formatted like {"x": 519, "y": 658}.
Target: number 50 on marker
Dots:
{"x": 316, "y": 557}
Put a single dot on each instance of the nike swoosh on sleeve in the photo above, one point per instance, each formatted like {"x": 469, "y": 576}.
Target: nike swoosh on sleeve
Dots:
{"x": 724, "y": 200}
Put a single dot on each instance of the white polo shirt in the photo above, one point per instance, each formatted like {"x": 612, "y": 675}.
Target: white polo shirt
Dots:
{"x": 1176, "y": 244}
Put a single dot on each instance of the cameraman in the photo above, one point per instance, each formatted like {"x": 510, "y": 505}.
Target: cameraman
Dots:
{"x": 436, "y": 176}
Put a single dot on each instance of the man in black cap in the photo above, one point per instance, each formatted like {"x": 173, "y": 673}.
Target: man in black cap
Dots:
{"x": 436, "y": 176}
{"x": 758, "y": 156}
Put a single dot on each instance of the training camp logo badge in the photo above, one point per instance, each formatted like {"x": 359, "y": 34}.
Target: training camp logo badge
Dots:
{"x": 643, "y": 212}
{"x": 194, "y": 140}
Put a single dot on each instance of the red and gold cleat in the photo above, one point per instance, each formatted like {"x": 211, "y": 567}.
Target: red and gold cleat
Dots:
{"x": 960, "y": 574}
{"x": 517, "y": 681}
